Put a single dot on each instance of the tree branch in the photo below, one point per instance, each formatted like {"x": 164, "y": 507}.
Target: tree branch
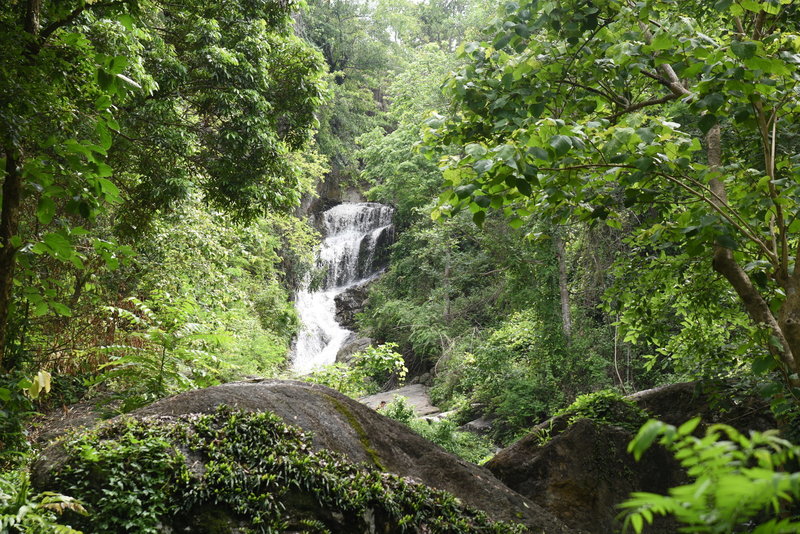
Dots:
{"x": 724, "y": 263}
{"x": 55, "y": 25}
{"x": 644, "y": 104}
{"x": 660, "y": 79}
{"x": 608, "y": 96}
{"x": 703, "y": 193}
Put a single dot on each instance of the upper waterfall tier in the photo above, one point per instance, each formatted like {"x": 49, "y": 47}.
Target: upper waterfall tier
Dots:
{"x": 356, "y": 238}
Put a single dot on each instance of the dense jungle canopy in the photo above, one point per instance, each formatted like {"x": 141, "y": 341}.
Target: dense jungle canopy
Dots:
{"x": 589, "y": 196}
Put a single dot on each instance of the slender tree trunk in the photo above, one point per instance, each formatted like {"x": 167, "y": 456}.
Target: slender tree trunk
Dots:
{"x": 32, "y": 11}
{"x": 446, "y": 283}
{"x": 563, "y": 288}
{"x": 754, "y": 303}
{"x": 9, "y": 226}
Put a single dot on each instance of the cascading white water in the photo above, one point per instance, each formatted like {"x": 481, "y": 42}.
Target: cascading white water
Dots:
{"x": 354, "y": 233}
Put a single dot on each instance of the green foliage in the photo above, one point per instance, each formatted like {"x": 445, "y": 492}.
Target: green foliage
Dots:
{"x": 400, "y": 410}
{"x": 22, "y": 511}
{"x": 17, "y": 395}
{"x": 235, "y": 98}
{"x": 164, "y": 353}
{"x": 248, "y": 272}
{"x": 357, "y": 49}
{"x": 687, "y": 324}
{"x": 738, "y": 481}
{"x": 369, "y": 371}
{"x": 523, "y": 372}
{"x": 133, "y": 478}
{"x": 443, "y": 432}
{"x": 681, "y": 118}
{"x": 339, "y": 376}
{"x": 607, "y": 407}
{"x": 381, "y": 365}
{"x": 141, "y": 476}
{"x": 117, "y": 112}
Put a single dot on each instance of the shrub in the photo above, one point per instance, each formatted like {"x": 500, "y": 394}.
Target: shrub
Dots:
{"x": 370, "y": 371}
{"x": 606, "y": 407}
{"x": 36, "y": 513}
{"x": 443, "y": 432}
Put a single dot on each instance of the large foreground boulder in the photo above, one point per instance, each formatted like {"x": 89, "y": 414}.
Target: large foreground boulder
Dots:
{"x": 365, "y": 446}
{"x": 581, "y": 470}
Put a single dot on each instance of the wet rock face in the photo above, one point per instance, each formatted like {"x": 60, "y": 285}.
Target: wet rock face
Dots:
{"x": 351, "y": 346}
{"x": 342, "y": 425}
{"x": 349, "y": 303}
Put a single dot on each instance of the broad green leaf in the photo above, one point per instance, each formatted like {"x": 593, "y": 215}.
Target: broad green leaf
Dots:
{"x": 646, "y": 436}
{"x": 539, "y": 153}
{"x": 59, "y": 244}
{"x": 103, "y": 102}
{"x": 108, "y": 188}
{"x": 506, "y": 152}
{"x": 662, "y": 41}
{"x": 483, "y": 165}
{"x": 713, "y": 102}
{"x": 483, "y": 201}
{"x": 637, "y": 523}
{"x": 561, "y": 144}
{"x": 463, "y": 191}
{"x": 45, "y": 210}
{"x": 744, "y": 49}
{"x": 706, "y": 122}
{"x": 727, "y": 241}
{"x": 524, "y": 187}
{"x": 763, "y": 364}
{"x": 688, "y": 427}
{"x": 61, "y": 309}
{"x": 475, "y": 150}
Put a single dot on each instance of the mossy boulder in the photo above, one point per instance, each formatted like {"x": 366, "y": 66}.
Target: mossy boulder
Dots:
{"x": 576, "y": 465}
{"x": 282, "y": 457}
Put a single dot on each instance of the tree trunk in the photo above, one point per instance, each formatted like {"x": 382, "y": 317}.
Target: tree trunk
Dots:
{"x": 10, "y": 210}
{"x": 563, "y": 288}
{"x": 724, "y": 263}
{"x": 9, "y": 226}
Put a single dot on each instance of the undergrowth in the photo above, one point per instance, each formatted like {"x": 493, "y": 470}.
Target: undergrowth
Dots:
{"x": 444, "y": 432}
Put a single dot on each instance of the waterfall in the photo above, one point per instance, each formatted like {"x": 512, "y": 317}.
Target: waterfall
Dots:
{"x": 352, "y": 252}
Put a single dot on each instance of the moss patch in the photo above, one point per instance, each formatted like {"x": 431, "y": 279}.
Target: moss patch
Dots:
{"x": 607, "y": 407}
{"x": 363, "y": 438}
{"x": 250, "y": 472}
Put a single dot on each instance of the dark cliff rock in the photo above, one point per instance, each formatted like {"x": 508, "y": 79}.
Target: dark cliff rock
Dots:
{"x": 580, "y": 472}
{"x": 340, "y": 424}
{"x": 584, "y": 472}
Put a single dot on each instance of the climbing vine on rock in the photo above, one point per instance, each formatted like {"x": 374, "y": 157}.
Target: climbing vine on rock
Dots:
{"x": 248, "y": 470}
